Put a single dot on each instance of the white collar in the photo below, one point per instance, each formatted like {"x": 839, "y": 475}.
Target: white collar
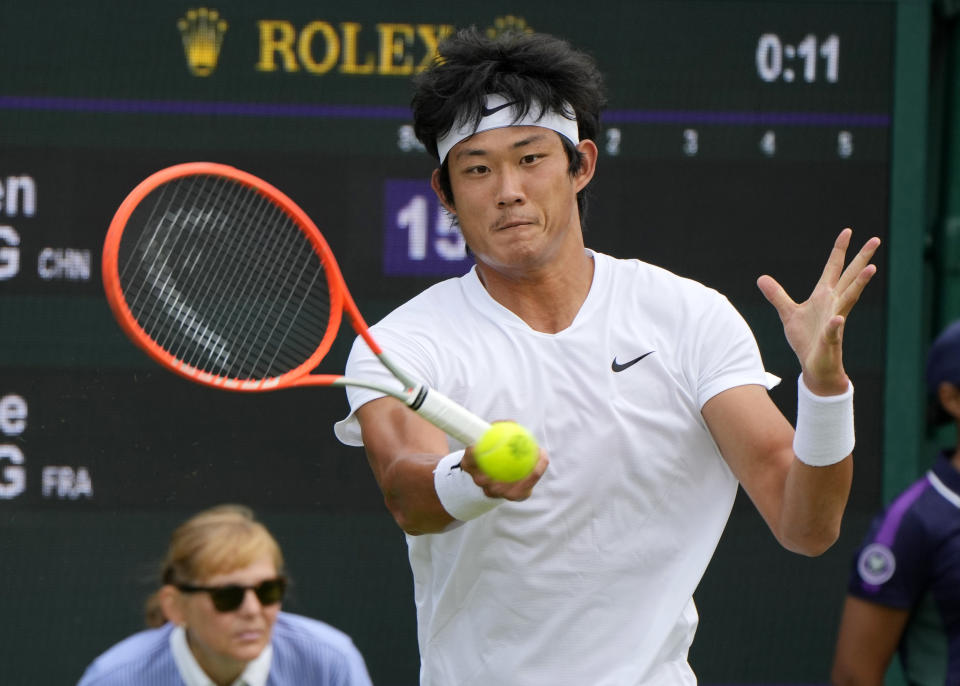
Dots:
{"x": 480, "y": 297}
{"x": 255, "y": 673}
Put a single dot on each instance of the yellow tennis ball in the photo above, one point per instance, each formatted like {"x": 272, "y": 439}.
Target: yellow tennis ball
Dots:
{"x": 506, "y": 452}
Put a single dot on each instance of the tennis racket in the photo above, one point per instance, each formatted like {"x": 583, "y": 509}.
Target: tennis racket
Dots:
{"x": 223, "y": 279}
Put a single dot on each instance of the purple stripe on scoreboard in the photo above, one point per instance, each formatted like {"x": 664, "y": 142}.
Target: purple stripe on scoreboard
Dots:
{"x": 747, "y": 118}
{"x": 200, "y": 107}
{"x": 398, "y": 112}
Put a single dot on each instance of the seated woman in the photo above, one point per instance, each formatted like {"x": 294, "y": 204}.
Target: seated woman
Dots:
{"x": 217, "y": 618}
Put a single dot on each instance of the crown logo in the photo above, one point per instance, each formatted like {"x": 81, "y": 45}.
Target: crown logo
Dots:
{"x": 202, "y": 32}
{"x": 507, "y": 24}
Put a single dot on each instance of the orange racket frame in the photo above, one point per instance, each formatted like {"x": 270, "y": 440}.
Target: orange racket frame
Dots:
{"x": 432, "y": 405}
{"x": 340, "y": 298}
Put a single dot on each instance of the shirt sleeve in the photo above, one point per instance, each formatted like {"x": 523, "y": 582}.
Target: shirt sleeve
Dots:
{"x": 728, "y": 354}
{"x": 403, "y": 349}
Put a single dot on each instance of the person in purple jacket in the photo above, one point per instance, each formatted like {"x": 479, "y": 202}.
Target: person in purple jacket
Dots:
{"x": 904, "y": 589}
{"x": 218, "y": 622}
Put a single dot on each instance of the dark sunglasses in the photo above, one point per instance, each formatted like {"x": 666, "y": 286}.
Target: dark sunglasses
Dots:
{"x": 229, "y": 598}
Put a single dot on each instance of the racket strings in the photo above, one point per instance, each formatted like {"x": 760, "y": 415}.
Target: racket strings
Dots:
{"x": 196, "y": 276}
{"x": 257, "y": 326}
{"x": 265, "y": 325}
{"x": 270, "y": 316}
{"x": 233, "y": 262}
{"x": 178, "y": 216}
{"x": 223, "y": 279}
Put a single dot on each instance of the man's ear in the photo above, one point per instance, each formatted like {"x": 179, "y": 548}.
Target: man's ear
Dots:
{"x": 949, "y": 396}
{"x": 169, "y": 598}
{"x": 438, "y": 189}
{"x": 588, "y": 163}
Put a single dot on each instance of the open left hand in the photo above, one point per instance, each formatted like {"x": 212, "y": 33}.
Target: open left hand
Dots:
{"x": 814, "y": 328}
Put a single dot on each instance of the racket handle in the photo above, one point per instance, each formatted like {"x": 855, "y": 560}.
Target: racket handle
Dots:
{"x": 445, "y": 414}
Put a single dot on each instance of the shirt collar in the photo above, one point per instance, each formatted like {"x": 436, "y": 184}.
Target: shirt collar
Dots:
{"x": 255, "y": 673}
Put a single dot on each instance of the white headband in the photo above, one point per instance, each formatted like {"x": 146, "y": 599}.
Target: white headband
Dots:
{"x": 498, "y": 113}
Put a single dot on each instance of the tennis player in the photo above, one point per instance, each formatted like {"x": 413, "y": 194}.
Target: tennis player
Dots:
{"x": 645, "y": 390}
{"x": 219, "y": 620}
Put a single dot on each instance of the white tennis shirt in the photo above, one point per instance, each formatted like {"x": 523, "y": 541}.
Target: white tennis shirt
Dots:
{"x": 590, "y": 580}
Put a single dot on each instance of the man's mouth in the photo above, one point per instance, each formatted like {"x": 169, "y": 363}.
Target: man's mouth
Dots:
{"x": 513, "y": 223}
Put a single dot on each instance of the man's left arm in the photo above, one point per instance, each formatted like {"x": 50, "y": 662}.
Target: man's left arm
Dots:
{"x": 800, "y": 480}
{"x": 802, "y": 505}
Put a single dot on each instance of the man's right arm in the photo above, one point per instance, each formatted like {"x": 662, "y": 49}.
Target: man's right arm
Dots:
{"x": 403, "y": 450}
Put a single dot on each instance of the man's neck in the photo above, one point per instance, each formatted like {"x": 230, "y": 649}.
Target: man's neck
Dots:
{"x": 547, "y": 299}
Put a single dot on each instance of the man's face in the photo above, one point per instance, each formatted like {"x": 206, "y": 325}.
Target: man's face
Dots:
{"x": 514, "y": 196}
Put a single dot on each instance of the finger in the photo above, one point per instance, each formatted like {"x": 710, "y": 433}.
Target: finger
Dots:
{"x": 514, "y": 490}
{"x": 857, "y": 264}
{"x": 838, "y": 256}
{"x": 482, "y": 480}
{"x": 528, "y": 482}
{"x": 849, "y": 297}
{"x": 776, "y": 296}
{"x": 509, "y": 491}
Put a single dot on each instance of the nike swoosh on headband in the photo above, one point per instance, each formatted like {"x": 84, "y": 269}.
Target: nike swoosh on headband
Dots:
{"x": 487, "y": 111}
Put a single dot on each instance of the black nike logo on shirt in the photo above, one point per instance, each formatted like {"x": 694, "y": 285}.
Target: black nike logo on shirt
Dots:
{"x": 487, "y": 111}
{"x": 617, "y": 367}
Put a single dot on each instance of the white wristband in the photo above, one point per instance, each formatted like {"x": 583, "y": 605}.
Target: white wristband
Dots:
{"x": 824, "y": 434}
{"x": 458, "y": 493}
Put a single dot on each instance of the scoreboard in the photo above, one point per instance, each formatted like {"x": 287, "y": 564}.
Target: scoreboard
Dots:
{"x": 740, "y": 138}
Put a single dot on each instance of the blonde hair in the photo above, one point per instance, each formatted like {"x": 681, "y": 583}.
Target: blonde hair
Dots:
{"x": 215, "y": 541}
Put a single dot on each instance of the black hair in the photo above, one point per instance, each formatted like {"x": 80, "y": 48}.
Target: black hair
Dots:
{"x": 533, "y": 69}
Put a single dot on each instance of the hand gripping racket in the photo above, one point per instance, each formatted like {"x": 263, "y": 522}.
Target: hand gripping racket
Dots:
{"x": 223, "y": 279}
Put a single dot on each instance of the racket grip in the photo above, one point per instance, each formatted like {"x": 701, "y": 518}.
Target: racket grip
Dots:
{"x": 456, "y": 420}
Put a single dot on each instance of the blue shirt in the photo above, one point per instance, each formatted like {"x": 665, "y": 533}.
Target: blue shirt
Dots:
{"x": 306, "y": 652}
{"x": 910, "y": 559}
